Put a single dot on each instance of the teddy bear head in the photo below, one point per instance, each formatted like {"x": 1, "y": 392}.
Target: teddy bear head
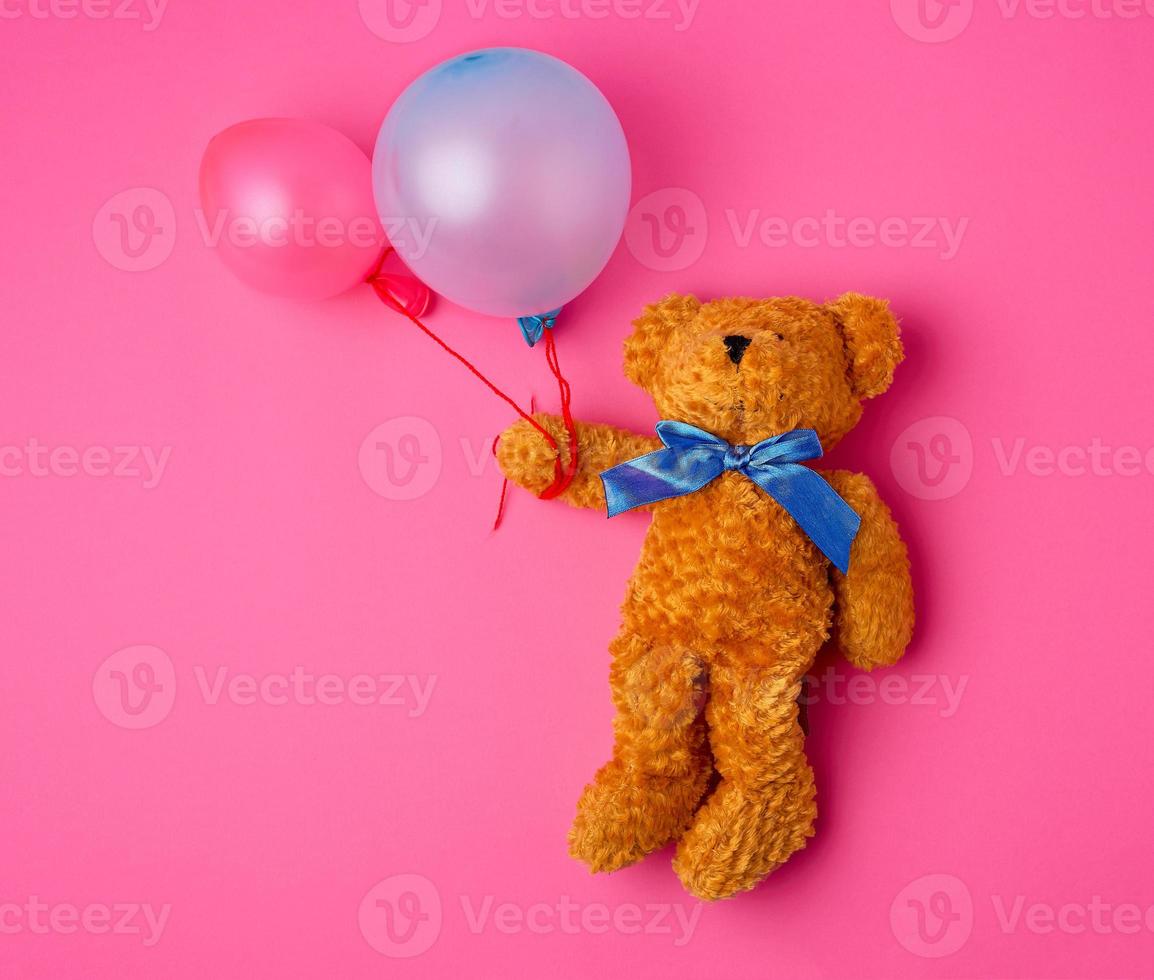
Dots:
{"x": 748, "y": 369}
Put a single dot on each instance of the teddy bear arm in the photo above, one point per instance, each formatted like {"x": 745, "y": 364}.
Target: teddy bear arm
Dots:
{"x": 873, "y": 603}
{"x": 528, "y": 460}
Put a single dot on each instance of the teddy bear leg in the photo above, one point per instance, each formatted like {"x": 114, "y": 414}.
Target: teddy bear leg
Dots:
{"x": 645, "y": 796}
{"x": 763, "y": 810}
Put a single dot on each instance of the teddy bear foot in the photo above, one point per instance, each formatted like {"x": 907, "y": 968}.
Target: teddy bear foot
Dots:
{"x": 624, "y": 815}
{"x": 738, "y": 839}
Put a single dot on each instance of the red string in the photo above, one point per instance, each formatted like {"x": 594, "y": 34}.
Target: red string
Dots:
{"x": 566, "y": 414}
{"x": 505, "y": 482}
{"x": 562, "y": 475}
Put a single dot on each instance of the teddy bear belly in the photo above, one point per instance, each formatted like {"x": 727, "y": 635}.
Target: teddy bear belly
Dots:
{"x": 728, "y": 567}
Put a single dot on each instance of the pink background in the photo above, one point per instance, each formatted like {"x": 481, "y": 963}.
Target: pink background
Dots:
{"x": 265, "y": 547}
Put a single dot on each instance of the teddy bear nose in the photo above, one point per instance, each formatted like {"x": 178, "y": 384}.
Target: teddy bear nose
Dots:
{"x": 735, "y": 347}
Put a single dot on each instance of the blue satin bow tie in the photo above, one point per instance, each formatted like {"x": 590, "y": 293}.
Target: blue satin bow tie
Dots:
{"x": 693, "y": 457}
{"x": 533, "y": 327}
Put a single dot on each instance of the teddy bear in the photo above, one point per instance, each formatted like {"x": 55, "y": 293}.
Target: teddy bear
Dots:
{"x": 751, "y": 563}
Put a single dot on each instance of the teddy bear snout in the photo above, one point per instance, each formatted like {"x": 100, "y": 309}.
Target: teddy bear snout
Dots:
{"x": 735, "y": 346}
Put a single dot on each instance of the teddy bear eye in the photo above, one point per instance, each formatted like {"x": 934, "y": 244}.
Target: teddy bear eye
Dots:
{"x": 779, "y": 336}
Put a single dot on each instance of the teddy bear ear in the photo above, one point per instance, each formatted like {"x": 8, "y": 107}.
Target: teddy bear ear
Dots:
{"x": 872, "y": 341}
{"x": 651, "y": 334}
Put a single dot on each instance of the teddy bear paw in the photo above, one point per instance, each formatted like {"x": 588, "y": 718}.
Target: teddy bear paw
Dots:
{"x": 624, "y": 815}
{"x": 738, "y": 839}
{"x": 526, "y": 458}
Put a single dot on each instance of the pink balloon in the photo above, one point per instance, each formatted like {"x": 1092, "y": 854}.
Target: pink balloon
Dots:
{"x": 503, "y": 180}
{"x": 288, "y": 205}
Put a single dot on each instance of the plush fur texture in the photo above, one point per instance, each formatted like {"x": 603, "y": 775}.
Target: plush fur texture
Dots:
{"x": 730, "y": 602}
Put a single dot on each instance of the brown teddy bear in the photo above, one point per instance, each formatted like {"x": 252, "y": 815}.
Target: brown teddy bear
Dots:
{"x": 738, "y": 584}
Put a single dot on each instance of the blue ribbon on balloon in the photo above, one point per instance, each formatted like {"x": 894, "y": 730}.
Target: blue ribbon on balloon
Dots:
{"x": 533, "y": 327}
{"x": 693, "y": 457}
